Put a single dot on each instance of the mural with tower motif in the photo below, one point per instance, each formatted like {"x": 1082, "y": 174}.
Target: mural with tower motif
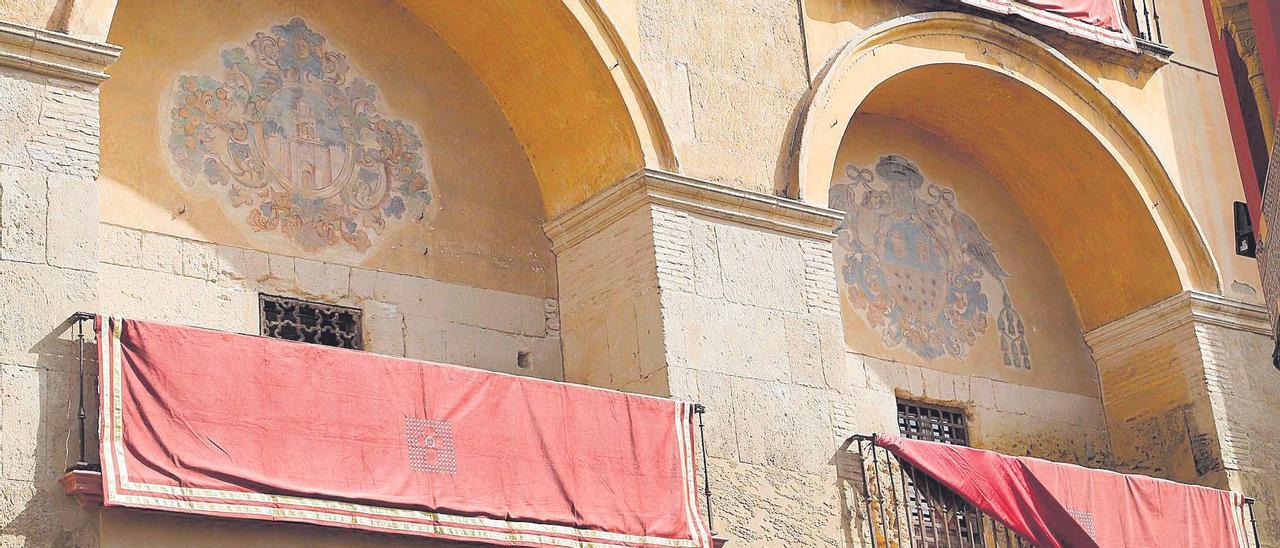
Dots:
{"x": 294, "y": 141}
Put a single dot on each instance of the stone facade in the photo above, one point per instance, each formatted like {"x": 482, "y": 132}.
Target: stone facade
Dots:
{"x": 749, "y": 324}
{"x": 173, "y": 280}
{"x": 1185, "y": 393}
{"x": 709, "y": 272}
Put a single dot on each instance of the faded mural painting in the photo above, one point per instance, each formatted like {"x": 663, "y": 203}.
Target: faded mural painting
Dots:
{"x": 913, "y": 264}
{"x": 294, "y": 141}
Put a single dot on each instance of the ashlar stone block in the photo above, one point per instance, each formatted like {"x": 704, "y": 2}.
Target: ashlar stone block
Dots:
{"x": 384, "y": 329}
{"x": 46, "y": 297}
{"x": 24, "y": 211}
{"x": 761, "y": 269}
{"x": 19, "y": 117}
{"x": 161, "y": 253}
{"x": 73, "y": 222}
{"x": 120, "y": 245}
{"x": 321, "y": 278}
{"x": 739, "y": 340}
{"x": 199, "y": 260}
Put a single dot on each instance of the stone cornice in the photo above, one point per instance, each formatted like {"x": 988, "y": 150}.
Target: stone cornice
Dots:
{"x": 1174, "y": 312}
{"x": 654, "y": 187}
{"x": 55, "y": 54}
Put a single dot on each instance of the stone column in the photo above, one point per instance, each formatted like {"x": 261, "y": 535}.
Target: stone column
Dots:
{"x": 677, "y": 287}
{"x": 48, "y": 270}
{"x": 1190, "y": 393}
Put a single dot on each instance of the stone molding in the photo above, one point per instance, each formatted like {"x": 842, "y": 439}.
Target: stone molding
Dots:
{"x": 55, "y": 54}
{"x": 1167, "y": 315}
{"x": 655, "y": 187}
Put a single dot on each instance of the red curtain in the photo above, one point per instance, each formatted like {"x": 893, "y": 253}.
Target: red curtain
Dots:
{"x": 1099, "y": 13}
{"x": 231, "y": 425}
{"x": 1056, "y": 505}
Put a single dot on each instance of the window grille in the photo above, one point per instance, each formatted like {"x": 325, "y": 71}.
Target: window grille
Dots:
{"x": 932, "y": 423}
{"x": 937, "y": 518}
{"x": 305, "y": 321}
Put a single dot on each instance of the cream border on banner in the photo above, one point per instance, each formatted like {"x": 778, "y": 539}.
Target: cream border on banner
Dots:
{"x": 457, "y": 526}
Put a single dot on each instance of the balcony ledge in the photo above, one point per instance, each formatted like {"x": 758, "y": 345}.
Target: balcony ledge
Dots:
{"x": 84, "y": 485}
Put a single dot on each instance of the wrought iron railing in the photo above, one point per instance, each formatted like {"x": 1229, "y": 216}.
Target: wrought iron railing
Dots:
{"x": 1143, "y": 19}
{"x": 906, "y": 508}
{"x": 82, "y": 328}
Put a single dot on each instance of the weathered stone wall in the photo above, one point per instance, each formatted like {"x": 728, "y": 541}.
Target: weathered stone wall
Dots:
{"x": 1247, "y": 403}
{"x": 749, "y": 325}
{"x": 758, "y": 341}
{"x": 48, "y": 270}
{"x": 1189, "y": 396}
{"x": 157, "y": 277}
{"x": 753, "y": 331}
{"x": 726, "y": 95}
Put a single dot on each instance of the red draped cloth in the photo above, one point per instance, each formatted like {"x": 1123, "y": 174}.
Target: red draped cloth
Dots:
{"x": 1055, "y": 505}
{"x": 1097, "y": 20}
{"x": 248, "y": 427}
{"x": 1099, "y": 13}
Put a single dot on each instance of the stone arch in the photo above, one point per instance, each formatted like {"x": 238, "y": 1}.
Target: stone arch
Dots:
{"x": 564, "y": 78}
{"x": 899, "y": 66}
{"x": 568, "y": 86}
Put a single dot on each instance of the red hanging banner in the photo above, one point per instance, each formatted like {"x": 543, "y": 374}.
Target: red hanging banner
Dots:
{"x": 1056, "y": 505}
{"x": 1097, "y": 20}
{"x": 238, "y": 426}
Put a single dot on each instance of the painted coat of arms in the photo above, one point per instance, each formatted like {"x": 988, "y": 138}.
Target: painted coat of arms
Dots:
{"x": 297, "y": 143}
{"x": 914, "y": 263}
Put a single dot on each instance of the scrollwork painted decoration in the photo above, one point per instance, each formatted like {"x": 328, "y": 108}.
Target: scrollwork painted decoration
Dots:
{"x": 914, "y": 263}
{"x": 296, "y": 142}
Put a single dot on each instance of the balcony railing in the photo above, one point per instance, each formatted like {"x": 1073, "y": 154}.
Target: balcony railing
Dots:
{"x": 1143, "y": 19}
{"x": 906, "y": 508}
{"x": 1140, "y": 23}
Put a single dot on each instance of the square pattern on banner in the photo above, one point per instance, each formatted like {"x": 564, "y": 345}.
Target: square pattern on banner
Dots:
{"x": 430, "y": 445}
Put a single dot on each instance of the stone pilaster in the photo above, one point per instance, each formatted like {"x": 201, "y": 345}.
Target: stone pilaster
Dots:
{"x": 684, "y": 288}
{"x": 49, "y": 265}
{"x": 1185, "y": 384}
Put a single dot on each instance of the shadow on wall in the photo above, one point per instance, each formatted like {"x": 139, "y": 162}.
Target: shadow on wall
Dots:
{"x": 40, "y": 439}
{"x": 849, "y": 466}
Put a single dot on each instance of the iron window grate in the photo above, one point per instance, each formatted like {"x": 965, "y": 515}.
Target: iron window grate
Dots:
{"x": 309, "y": 322}
{"x": 942, "y": 519}
{"x": 932, "y": 423}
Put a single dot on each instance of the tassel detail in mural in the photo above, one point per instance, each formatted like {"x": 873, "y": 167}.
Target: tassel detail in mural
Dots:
{"x": 1013, "y": 337}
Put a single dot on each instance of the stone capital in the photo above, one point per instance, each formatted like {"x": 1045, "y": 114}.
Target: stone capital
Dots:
{"x": 1172, "y": 313}
{"x": 55, "y": 54}
{"x": 654, "y": 187}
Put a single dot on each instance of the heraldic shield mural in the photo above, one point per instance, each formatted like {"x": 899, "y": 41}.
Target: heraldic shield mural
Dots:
{"x": 295, "y": 142}
{"x": 914, "y": 264}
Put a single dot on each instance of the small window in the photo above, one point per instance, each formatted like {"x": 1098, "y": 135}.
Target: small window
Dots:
{"x": 921, "y": 421}
{"x": 943, "y": 519}
{"x": 304, "y": 321}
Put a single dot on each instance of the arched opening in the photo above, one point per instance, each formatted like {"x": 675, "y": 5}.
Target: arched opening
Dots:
{"x": 569, "y": 89}
{"x": 999, "y": 206}
{"x": 397, "y": 157}
{"x": 518, "y": 111}
{"x": 1037, "y": 122}
{"x": 1075, "y": 195}
{"x": 950, "y": 266}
